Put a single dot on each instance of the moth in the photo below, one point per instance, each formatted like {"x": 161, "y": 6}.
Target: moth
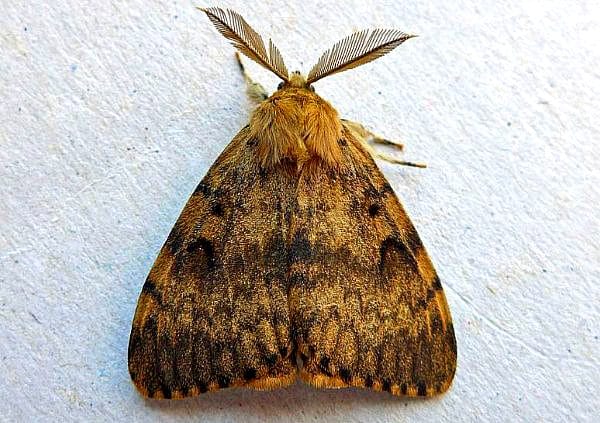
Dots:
{"x": 293, "y": 258}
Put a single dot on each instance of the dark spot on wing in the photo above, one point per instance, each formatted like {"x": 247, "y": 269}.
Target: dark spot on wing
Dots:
{"x": 404, "y": 388}
{"x": 223, "y": 381}
{"x": 149, "y": 288}
{"x": 324, "y": 365}
{"x": 451, "y": 337}
{"x": 430, "y": 294}
{"x": 345, "y": 374}
{"x": 387, "y": 189}
{"x": 217, "y": 209}
{"x": 263, "y": 172}
{"x": 166, "y": 391}
{"x": 300, "y": 248}
{"x": 203, "y": 188}
{"x": 374, "y": 209}
{"x": 421, "y": 389}
{"x": 436, "y": 283}
{"x": 271, "y": 359}
{"x": 204, "y": 245}
{"x": 250, "y": 374}
{"x": 283, "y": 351}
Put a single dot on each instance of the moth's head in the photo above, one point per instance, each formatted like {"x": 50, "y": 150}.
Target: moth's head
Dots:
{"x": 355, "y": 50}
{"x": 296, "y": 80}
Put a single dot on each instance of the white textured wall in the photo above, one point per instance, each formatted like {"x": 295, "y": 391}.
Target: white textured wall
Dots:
{"x": 112, "y": 111}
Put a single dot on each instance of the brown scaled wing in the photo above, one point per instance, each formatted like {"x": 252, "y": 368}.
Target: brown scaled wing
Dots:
{"x": 264, "y": 265}
{"x": 366, "y": 306}
{"x": 213, "y": 311}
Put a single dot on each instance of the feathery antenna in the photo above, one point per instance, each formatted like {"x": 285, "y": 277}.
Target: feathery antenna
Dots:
{"x": 233, "y": 27}
{"x": 355, "y": 50}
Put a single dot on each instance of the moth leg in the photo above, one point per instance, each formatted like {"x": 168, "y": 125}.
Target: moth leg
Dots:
{"x": 369, "y": 138}
{"x": 363, "y": 133}
{"x": 255, "y": 91}
{"x": 392, "y": 159}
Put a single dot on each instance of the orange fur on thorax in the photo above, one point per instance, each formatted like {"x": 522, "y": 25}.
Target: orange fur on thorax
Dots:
{"x": 296, "y": 125}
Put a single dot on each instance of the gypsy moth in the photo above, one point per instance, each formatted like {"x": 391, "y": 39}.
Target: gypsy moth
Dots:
{"x": 294, "y": 245}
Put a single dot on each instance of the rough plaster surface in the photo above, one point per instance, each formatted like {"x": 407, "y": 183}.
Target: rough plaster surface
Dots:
{"x": 112, "y": 111}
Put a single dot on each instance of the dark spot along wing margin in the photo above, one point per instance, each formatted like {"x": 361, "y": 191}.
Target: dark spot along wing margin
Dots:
{"x": 212, "y": 313}
{"x": 367, "y": 308}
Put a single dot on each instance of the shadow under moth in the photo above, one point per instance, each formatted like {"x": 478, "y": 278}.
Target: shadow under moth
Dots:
{"x": 293, "y": 258}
